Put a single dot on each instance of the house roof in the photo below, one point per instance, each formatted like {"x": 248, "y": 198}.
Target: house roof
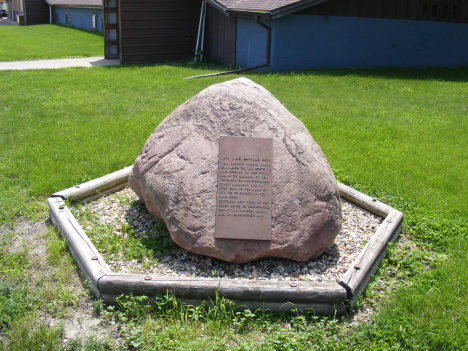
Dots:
{"x": 262, "y": 8}
{"x": 75, "y": 2}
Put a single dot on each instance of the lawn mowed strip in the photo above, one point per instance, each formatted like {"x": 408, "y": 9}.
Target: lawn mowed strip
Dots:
{"x": 48, "y": 41}
{"x": 397, "y": 134}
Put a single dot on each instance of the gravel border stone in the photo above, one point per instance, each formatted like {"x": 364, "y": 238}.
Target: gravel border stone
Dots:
{"x": 125, "y": 209}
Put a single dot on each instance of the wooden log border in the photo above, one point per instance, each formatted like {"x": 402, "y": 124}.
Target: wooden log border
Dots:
{"x": 325, "y": 298}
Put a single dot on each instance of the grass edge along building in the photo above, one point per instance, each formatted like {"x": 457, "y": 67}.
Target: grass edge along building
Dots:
{"x": 282, "y": 35}
{"x": 84, "y": 14}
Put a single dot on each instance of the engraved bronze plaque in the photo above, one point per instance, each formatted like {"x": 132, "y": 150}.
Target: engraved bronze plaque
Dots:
{"x": 243, "y": 202}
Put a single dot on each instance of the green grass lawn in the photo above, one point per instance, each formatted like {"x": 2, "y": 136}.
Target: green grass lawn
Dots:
{"x": 397, "y": 134}
{"x": 48, "y": 41}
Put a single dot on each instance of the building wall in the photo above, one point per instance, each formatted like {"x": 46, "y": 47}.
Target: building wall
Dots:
{"x": 455, "y": 11}
{"x": 158, "y": 30}
{"x": 15, "y": 8}
{"x": 36, "y": 11}
{"x": 251, "y": 39}
{"x": 308, "y": 41}
{"x": 80, "y": 17}
{"x": 220, "y": 37}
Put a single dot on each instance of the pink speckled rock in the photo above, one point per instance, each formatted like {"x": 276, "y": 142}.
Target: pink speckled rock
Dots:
{"x": 176, "y": 175}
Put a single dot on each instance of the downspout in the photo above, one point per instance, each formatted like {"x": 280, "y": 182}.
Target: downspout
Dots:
{"x": 50, "y": 14}
{"x": 267, "y": 59}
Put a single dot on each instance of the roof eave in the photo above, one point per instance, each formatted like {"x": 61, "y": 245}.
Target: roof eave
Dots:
{"x": 218, "y": 6}
{"x": 249, "y": 13}
{"x": 272, "y": 14}
{"x": 288, "y": 9}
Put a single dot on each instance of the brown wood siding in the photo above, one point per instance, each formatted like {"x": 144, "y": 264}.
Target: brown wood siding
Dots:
{"x": 220, "y": 37}
{"x": 37, "y": 12}
{"x": 155, "y": 31}
{"x": 422, "y": 10}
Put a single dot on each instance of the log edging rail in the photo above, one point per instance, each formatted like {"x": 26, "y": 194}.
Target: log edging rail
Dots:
{"x": 327, "y": 298}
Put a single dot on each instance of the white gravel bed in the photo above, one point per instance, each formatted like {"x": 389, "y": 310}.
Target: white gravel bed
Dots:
{"x": 124, "y": 208}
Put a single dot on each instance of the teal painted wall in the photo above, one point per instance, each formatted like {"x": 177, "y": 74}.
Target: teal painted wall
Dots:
{"x": 305, "y": 41}
{"x": 80, "y": 18}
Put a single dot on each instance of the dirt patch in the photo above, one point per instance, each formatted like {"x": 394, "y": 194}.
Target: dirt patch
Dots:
{"x": 78, "y": 321}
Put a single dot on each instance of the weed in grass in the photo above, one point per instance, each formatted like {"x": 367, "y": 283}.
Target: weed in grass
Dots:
{"x": 16, "y": 300}
{"x": 12, "y": 260}
{"x": 90, "y": 344}
{"x": 28, "y": 334}
{"x": 98, "y": 307}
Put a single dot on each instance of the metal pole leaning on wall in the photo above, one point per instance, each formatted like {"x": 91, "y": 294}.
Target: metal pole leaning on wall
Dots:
{"x": 203, "y": 31}
{"x": 267, "y": 58}
{"x": 201, "y": 34}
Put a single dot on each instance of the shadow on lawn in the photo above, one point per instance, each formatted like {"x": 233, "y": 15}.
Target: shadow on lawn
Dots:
{"x": 448, "y": 74}
{"x": 93, "y": 32}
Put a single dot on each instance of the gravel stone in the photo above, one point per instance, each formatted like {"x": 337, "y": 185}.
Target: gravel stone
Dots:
{"x": 358, "y": 227}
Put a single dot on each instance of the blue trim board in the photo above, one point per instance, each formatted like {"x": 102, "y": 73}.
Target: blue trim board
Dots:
{"x": 80, "y": 17}
{"x": 302, "y": 41}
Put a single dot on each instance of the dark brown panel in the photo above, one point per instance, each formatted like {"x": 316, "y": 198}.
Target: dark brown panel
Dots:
{"x": 454, "y": 10}
{"x": 162, "y": 49}
{"x": 424, "y": 10}
{"x": 211, "y": 34}
{"x": 158, "y": 16}
{"x": 401, "y": 9}
{"x": 313, "y": 10}
{"x": 230, "y": 42}
{"x": 160, "y": 41}
{"x": 158, "y": 30}
{"x": 463, "y": 17}
{"x": 389, "y": 8}
{"x": 434, "y": 10}
{"x": 325, "y": 8}
{"x": 163, "y": 7}
{"x": 413, "y": 9}
{"x": 365, "y": 10}
{"x": 444, "y": 10}
{"x": 220, "y": 30}
{"x": 144, "y": 34}
{"x": 220, "y": 36}
{"x": 152, "y": 58}
{"x": 339, "y": 7}
{"x": 162, "y": 23}
{"x": 378, "y": 8}
{"x": 352, "y": 8}
{"x": 36, "y": 12}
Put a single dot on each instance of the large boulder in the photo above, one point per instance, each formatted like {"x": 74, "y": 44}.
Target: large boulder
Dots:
{"x": 176, "y": 175}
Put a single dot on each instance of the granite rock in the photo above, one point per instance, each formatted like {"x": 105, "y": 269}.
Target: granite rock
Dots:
{"x": 176, "y": 175}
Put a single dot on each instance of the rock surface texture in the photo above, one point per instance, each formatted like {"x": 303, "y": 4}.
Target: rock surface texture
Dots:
{"x": 176, "y": 175}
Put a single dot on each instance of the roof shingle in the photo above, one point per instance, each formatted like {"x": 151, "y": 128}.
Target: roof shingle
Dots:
{"x": 266, "y": 8}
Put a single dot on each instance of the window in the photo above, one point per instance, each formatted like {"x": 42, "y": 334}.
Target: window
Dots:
{"x": 68, "y": 19}
{"x": 95, "y": 26}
